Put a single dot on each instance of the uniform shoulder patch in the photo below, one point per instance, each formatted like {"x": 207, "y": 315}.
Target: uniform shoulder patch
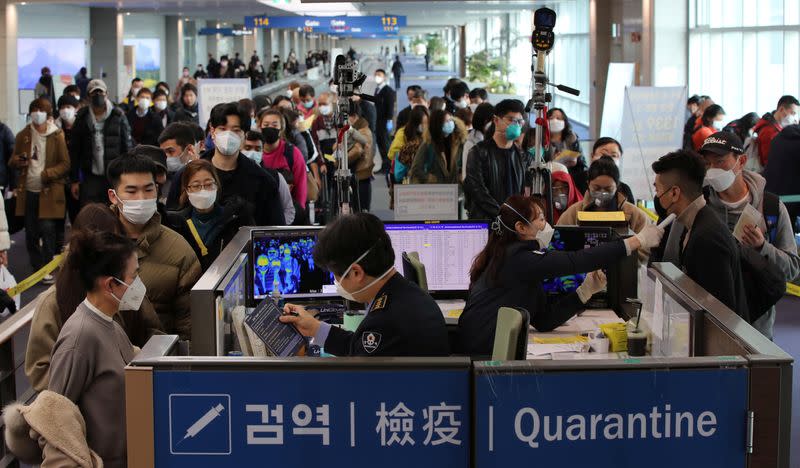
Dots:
{"x": 370, "y": 341}
{"x": 380, "y": 302}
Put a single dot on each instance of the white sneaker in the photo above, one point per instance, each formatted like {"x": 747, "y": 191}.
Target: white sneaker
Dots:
{"x": 48, "y": 280}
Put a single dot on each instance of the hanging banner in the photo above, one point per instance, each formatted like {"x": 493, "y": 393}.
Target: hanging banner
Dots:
{"x": 652, "y": 126}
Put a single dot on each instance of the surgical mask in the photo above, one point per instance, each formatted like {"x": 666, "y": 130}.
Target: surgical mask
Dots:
{"x": 545, "y": 235}
{"x": 288, "y": 93}
{"x": 560, "y": 201}
{"x": 719, "y": 179}
{"x": 161, "y": 105}
{"x": 38, "y": 117}
{"x": 228, "y": 143}
{"x": 308, "y": 104}
{"x": 661, "y": 210}
{"x": 461, "y": 104}
{"x": 253, "y": 123}
{"x": 556, "y": 125}
{"x": 135, "y": 91}
{"x": 350, "y": 296}
{"x": 602, "y": 199}
{"x": 271, "y": 135}
{"x": 133, "y": 296}
{"x": 334, "y": 89}
{"x": 379, "y": 79}
{"x": 174, "y": 164}
{"x": 144, "y": 103}
{"x": 98, "y": 100}
{"x": 448, "y": 127}
{"x": 718, "y": 125}
{"x": 513, "y": 132}
{"x": 254, "y": 155}
{"x": 203, "y": 199}
{"x": 67, "y": 114}
{"x": 137, "y": 212}
{"x": 788, "y": 120}
{"x": 325, "y": 110}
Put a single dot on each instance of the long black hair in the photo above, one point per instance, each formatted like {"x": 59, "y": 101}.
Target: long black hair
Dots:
{"x": 503, "y": 234}
{"x": 438, "y": 139}
{"x": 415, "y": 119}
{"x": 711, "y": 113}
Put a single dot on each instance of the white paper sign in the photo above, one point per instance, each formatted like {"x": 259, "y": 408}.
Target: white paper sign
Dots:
{"x": 652, "y": 126}
{"x": 423, "y": 202}
{"x": 213, "y": 91}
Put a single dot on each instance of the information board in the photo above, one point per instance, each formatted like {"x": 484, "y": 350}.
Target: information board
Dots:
{"x": 414, "y": 202}
{"x": 652, "y": 126}
{"x": 213, "y": 91}
{"x": 312, "y": 418}
{"x": 328, "y": 24}
{"x": 659, "y": 418}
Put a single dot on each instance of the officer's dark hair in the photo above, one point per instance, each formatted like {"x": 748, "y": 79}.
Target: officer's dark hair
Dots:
{"x": 220, "y": 113}
{"x": 413, "y": 88}
{"x": 381, "y": 70}
{"x": 687, "y": 170}
{"x": 306, "y": 90}
{"x": 693, "y": 100}
{"x": 787, "y": 101}
{"x": 131, "y": 163}
{"x": 508, "y": 106}
{"x": 602, "y": 141}
{"x": 183, "y": 134}
{"x": 711, "y": 113}
{"x": 479, "y": 92}
{"x": 604, "y": 166}
{"x": 458, "y": 91}
{"x": 347, "y": 238}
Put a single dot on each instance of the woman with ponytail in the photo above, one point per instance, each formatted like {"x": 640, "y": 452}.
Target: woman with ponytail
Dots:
{"x": 510, "y": 270}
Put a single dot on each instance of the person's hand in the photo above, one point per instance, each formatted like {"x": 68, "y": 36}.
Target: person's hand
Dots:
{"x": 302, "y": 319}
{"x": 4, "y": 258}
{"x": 323, "y": 169}
{"x": 593, "y": 284}
{"x": 753, "y": 237}
{"x": 649, "y": 237}
{"x": 75, "y": 188}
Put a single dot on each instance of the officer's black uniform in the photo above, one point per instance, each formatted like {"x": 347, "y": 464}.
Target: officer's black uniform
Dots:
{"x": 403, "y": 320}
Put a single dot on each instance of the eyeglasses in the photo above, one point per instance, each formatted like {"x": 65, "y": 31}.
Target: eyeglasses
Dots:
{"x": 208, "y": 186}
{"x": 520, "y": 122}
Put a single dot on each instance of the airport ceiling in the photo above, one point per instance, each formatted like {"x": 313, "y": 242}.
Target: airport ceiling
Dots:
{"x": 423, "y": 16}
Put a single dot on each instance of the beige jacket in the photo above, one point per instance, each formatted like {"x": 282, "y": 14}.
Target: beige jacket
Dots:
{"x": 139, "y": 325}
{"x": 52, "y": 199}
{"x": 50, "y": 432}
{"x": 360, "y": 153}
{"x": 432, "y": 168}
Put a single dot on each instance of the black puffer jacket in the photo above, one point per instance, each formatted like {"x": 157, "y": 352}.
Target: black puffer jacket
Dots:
{"x": 783, "y": 167}
{"x": 116, "y": 140}
{"x": 484, "y": 186}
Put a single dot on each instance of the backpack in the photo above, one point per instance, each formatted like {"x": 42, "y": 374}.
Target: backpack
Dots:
{"x": 764, "y": 283}
{"x": 751, "y": 150}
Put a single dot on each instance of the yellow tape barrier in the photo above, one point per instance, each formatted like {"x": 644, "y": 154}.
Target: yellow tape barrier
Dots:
{"x": 32, "y": 280}
{"x": 793, "y": 289}
{"x": 648, "y": 212}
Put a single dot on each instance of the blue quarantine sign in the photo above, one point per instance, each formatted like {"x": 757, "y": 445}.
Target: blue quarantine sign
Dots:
{"x": 655, "y": 418}
{"x": 310, "y": 418}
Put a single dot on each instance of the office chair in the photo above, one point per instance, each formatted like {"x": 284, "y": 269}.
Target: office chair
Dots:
{"x": 511, "y": 335}
{"x": 414, "y": 270}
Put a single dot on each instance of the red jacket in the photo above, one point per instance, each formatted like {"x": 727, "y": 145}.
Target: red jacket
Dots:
{"x": 700, "y": 136}
{"x": 766, "y": 128}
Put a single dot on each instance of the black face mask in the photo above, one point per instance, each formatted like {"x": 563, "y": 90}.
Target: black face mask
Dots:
{"x": 271, "y": 135}
{"x": 98, "y": 100}
{"x": 660, "y": 210}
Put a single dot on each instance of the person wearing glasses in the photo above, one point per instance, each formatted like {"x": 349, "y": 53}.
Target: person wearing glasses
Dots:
{"x": 496, "y": 166}
{"x": 207, "y": 224}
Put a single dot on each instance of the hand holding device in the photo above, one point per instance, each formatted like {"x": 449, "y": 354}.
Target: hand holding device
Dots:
{"x": 667, "y": 221}
{"x": 594, "y": 283}
{"x": 650, "y": 236}
{"x": 303, "y": 320}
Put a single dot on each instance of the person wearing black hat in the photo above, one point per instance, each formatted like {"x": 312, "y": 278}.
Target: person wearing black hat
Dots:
{"x": 732, "y": 189}
{"x": 698, "y": 242}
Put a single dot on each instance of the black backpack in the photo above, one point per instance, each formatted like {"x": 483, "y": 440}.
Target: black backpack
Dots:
{"x": 764, "y": 283}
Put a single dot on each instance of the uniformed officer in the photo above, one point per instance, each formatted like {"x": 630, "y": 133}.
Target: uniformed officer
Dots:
{"x": 402, "y": 320}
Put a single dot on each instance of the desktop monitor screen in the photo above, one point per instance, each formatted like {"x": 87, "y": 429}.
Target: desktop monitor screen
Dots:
{"x": 572, "y": 238}
{"x": 283, "y": 259}
{"x": 447, "y": 249}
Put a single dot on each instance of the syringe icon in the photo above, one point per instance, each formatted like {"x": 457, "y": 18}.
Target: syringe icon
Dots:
{"x": 201, "y": 423}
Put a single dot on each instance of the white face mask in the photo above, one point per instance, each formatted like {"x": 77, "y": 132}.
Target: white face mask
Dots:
{"x": 556, "y": 125}
{"x": 254, "y": 155}
{"x": 174, "y": 164}
{"x": 379, "y": 79}
{"x": 38, "y": 117}
{"x": 135, "y": 91}
{"x": 545, "y": 235}
{"x": 144, "y": 103}
{"x": 161, "y": 105}
{"x": 472, "y": 107}
{"x": 289, "y": 93}
{"x": 228, "y": 143}
{"x": 137, "y": 212}
{"x": 718, "y": 125}
{"x": 350, "y": 296}
{"x": 788, "y": 120}
{"x": 203, "y": 199}
{"x": 461, "y": 104}
{"x": 67, "y": 114}
{"x": 719, "y": 179}
{"x": 326, "y": 109}
{"x": 133, "y": 296}
{"x": 334, "y": 89}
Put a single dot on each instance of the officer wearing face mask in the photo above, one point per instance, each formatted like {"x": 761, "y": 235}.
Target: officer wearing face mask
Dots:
{"x": 509, "y": 272}
{"x": 401, "y": 320}
{"x": 167, "y": 265}
{"x": 731, "y": 189}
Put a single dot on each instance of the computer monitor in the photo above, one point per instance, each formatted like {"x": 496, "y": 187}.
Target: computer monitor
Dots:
{"x": 283, "y": 258}
{"x": 570, "y": 239}
{"x": 446, "y": 248}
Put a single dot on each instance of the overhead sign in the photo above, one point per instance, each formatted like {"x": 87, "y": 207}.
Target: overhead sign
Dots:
{"x": 297, "y": 419}
{"x": 663, "y": 418}
{"x": 213, "y": 91}
{"x": 652, "y": 126}
{"x": 328, "y": 24}
{"x": 224, "y": 32}
{"x": 414, "y": 202}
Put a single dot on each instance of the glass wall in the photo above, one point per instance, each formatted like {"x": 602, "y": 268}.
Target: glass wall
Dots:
{"x": 746, "y": 58}
{"x": 568, "y": 63}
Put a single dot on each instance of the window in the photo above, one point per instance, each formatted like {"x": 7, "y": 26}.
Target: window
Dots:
{"x": 746, "y": 58}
